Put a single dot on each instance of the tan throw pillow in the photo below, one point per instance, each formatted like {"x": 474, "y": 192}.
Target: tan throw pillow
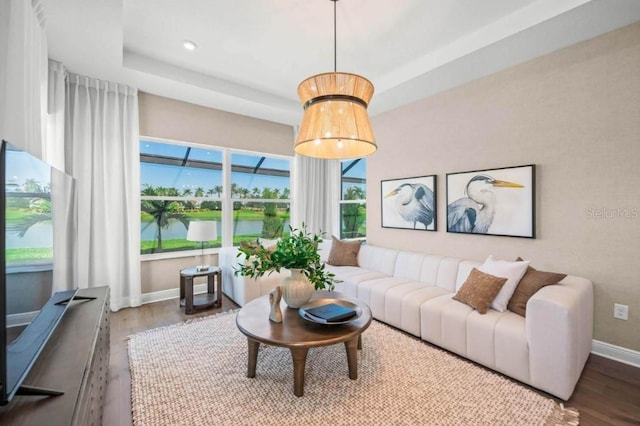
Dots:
{"x": 479, "y": 290}
{"x": 249, "y": 246}
{"x": 532, "y": 281}
{"x": 344, "y": 253}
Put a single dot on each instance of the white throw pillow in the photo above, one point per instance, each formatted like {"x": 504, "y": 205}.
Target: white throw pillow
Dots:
{"x": 266, "y": 243}
{"x": 512, "y": 271}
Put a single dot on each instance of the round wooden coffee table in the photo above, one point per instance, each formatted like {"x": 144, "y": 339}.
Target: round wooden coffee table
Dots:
{"x": 299, "y": 335}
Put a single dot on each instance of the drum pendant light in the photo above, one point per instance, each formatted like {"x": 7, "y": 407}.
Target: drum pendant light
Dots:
{"x": 335, "y": 124}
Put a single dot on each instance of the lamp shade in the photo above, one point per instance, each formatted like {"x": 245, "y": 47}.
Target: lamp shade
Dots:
{"x": 335, "y": 124}
{"x": 204, "y": 230}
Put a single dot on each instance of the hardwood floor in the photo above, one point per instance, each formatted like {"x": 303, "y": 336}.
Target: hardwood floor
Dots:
{"x": 608, "y": 392}
{"x": 124, "y": 323}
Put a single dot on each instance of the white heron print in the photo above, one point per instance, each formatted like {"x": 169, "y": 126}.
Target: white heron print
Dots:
{"x": 409, "y": 203}
{"x": 495, "y": 202}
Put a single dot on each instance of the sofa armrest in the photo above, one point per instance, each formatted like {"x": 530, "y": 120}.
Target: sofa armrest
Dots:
{"x": 227, "y": 260}
{"x": 559, "y": 326}
{"x": 243, "y": 289}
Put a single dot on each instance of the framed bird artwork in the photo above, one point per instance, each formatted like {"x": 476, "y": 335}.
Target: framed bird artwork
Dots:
{"x": 409, "y": 203}
{"x": 492, "y": 202}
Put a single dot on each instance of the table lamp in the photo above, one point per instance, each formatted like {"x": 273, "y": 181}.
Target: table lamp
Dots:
{"x": 202, "y": 231}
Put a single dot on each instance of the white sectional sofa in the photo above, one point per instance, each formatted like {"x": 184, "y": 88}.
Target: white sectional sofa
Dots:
{"x": 413, "y": 292}
{"x": 243, "y": 289}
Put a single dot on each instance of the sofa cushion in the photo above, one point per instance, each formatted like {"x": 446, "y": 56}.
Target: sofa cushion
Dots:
{"x": 512, "y": 271}
{"x": 348, "y": 278}
{"x": 532, "y": 281}
{"x": 402, "y": 304}
{"x": 408, "y": 265}
{"x": 479, "y": 290}
{"x": 344, "y": 253}
{"x": 379, "y": 259}
{"x": 464, "y": 268}
{"x": 324, "y": 248}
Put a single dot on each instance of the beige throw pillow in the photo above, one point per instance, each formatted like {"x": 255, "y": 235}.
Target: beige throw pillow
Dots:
{"x": 343, "y": 253}
{"x": 479, "y": 290}
{"x": 532, "y": 281}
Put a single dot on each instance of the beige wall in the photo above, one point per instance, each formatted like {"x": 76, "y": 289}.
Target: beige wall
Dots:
{"x": 164, "y": 274}
{"x": 574, "y": 113}
{"x": 171, "y": 119}
{"x": 176, "y": 120}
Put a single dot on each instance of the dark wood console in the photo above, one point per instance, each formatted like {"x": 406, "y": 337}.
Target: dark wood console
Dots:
{"x": 75, "y": 361}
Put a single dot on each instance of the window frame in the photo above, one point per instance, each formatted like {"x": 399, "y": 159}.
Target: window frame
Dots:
{"x": 342, "y": 201}
{"x": 227, "y": 201}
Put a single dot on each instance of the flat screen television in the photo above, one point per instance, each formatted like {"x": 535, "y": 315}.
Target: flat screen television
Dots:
{"x": 37, "y": 279}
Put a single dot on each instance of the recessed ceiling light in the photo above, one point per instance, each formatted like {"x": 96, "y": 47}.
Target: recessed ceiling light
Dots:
{"x": 189, "y": 45}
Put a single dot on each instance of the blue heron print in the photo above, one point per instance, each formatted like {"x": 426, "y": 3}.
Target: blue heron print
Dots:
{"x": 475, "y": 213}
{"x": 415, "y": 203}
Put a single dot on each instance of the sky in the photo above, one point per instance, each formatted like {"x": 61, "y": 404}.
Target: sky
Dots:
{"x": 182, "y": 178}
{"x": 21, "y": 166}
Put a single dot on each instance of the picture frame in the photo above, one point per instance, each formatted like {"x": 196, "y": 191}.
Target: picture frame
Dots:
{"x": 409, "y": 203}
{"x": 492, "y": 202}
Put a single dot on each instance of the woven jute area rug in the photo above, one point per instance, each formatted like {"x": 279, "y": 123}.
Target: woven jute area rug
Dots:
{"x": 195, "y": 374}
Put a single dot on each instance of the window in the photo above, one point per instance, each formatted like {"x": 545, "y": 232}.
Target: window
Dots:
{"x": 260, "y": 193}
{"x": 353, "y": 207}
{"x": 29, "y": 227}
{"x": 180, "y": 183}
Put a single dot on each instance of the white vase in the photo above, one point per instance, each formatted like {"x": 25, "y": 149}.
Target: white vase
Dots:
{"x": 297, "y": 290}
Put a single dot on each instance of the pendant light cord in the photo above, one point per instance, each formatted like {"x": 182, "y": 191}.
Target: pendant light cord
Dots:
{"x": 335, "y": 38}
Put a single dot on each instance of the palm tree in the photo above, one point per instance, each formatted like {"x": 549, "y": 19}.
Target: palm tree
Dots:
{"x": 235, "y": 190}
{"x": 32, "y": 186}
{"x": 354, "y": 193}
{"x": 267, "y": 193}
{"x": 162, "y": 211}
{"x": 352, "y": 219}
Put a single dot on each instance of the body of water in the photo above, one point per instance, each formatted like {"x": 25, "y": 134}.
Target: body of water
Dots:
{"x": 37, "y": 236}
{"x": 176, "y": 230}
{"x": 41, "y": 235}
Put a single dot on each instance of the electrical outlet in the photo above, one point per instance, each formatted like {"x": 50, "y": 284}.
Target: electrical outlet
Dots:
{"x": 621, "y": 311}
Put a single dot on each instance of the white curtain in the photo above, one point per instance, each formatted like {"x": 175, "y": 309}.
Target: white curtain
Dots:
{"x": 23, "y": 75}
{"x": 63, "y": 197}
{"x": 101, "y": 144}
{"x": 316, "y": 195}
{"x": 54, "y": 152}
{"x": 64, "y": 217}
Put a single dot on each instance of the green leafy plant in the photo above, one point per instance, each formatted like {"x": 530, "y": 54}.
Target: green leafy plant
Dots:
{"x": 299, "y": 250}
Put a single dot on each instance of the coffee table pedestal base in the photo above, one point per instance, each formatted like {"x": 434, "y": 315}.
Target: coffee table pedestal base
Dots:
{"x": 299, "y": 357}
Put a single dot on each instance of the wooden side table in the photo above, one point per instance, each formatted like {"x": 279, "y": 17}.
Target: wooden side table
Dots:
{"x": 211, "y": 299}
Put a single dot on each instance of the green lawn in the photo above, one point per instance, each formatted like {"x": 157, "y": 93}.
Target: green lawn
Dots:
{"x": 29, "y": 256}
{"x": 150, "y": 246}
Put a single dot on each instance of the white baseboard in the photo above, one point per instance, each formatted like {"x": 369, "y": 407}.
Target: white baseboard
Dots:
{"x": 173, "y": 293}
{"x": 616, "y": 353}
